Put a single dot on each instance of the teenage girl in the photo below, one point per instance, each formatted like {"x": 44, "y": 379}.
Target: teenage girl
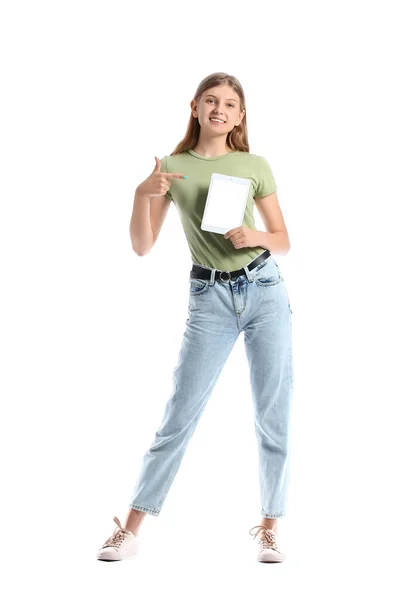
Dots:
{"x": 235, "y": 285}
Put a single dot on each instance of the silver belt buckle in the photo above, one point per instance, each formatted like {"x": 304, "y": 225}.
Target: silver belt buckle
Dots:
{"x": 228, "y": 273}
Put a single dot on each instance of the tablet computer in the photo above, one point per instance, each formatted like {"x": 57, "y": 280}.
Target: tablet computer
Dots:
{"x": 226, "y": 202}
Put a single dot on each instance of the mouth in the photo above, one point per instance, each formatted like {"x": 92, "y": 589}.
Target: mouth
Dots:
{"x": 217, "y": 122}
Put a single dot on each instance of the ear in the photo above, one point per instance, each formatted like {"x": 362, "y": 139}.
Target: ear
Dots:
{"x": 193, "y": 106}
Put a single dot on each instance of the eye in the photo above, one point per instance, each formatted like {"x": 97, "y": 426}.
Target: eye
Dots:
{"x": 211, "y": 100}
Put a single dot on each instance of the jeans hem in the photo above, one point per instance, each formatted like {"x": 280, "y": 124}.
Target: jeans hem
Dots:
{"x": 151, "y": 511}
{"x": 272, "y": 515}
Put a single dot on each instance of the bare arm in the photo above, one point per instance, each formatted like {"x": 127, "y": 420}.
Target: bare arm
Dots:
{"x": 147, "y": 220}
{"x": 140, "y": 229}
{"x": 150, "y": 207}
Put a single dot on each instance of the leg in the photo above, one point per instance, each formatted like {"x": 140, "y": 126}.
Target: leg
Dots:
{"x": 268, "y": 345}
{"x": 134, "y": 520}
{"x": 207, "y": 343}
{"x": 270, "y": 524}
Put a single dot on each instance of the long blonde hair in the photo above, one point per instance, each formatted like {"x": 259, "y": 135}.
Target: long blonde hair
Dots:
{"x": 237, "y": 139}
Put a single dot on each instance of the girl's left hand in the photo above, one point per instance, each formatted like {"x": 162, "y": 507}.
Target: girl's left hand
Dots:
{"x": 243, "y": 237}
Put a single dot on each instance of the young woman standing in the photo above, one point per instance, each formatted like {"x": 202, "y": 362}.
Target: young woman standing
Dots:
{"x": 235, "y": 285}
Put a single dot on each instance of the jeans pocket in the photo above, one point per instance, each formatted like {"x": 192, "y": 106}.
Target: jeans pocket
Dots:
{"x": 198, "y": 286}
{"x": 268, "y": 274}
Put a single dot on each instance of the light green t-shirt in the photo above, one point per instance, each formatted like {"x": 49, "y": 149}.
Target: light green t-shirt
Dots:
{"x": 189, "y": 195}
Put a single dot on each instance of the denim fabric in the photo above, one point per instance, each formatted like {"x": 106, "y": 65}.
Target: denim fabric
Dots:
{"x": 256, "y": 303}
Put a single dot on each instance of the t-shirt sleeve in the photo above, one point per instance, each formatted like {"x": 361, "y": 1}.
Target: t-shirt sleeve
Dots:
{"x": 266, "y": 181}
{"x": 163, "y": 169}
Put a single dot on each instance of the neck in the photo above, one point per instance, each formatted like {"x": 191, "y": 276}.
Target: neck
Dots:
{"x": 212, "y": 146}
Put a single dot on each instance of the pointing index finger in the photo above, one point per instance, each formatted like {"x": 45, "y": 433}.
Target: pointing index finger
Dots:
{"x": 175, "y": 175}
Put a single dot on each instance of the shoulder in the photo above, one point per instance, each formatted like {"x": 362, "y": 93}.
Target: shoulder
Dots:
{"x": 261, "y": 161}
{"x": 262, "y": 164}
{"x": 256, "y": 160}
{"x": 174, "y": 161}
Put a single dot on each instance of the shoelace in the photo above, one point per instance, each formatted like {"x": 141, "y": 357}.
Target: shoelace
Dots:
{"x": 267, "y": 537}
{"x": 118, "y": 535}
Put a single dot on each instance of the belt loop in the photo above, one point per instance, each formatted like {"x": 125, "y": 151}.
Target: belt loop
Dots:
{"x": 212, "y": 278}
{"x": 248, "y": 274}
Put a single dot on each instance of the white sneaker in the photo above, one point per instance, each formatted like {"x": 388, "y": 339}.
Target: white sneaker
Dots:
{"x": 268, "y": 550}
{"x": 123, "y": 543}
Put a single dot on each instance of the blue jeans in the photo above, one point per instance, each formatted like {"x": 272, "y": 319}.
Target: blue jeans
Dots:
{"x": 258, "y": 304}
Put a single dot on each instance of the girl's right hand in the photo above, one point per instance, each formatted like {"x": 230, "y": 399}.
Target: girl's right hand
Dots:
{"x": 157, "y": 184}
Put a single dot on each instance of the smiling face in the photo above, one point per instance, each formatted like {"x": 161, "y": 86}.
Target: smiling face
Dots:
{"x": 219, "y": 102}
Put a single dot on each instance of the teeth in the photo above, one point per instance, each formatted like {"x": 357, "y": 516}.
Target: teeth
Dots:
{"x": 218, "y": 120}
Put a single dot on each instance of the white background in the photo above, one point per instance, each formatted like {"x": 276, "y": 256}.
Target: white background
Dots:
{"x": 90, "y": 332}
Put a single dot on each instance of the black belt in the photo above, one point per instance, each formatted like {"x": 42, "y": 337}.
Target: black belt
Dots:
{"x": 198, "y": 272}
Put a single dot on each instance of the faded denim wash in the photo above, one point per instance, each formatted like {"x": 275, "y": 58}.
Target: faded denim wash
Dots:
{"x": 256, "y": 303}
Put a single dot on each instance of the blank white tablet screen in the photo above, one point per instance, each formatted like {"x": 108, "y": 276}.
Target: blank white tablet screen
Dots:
{"x": 226, "y": 204}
